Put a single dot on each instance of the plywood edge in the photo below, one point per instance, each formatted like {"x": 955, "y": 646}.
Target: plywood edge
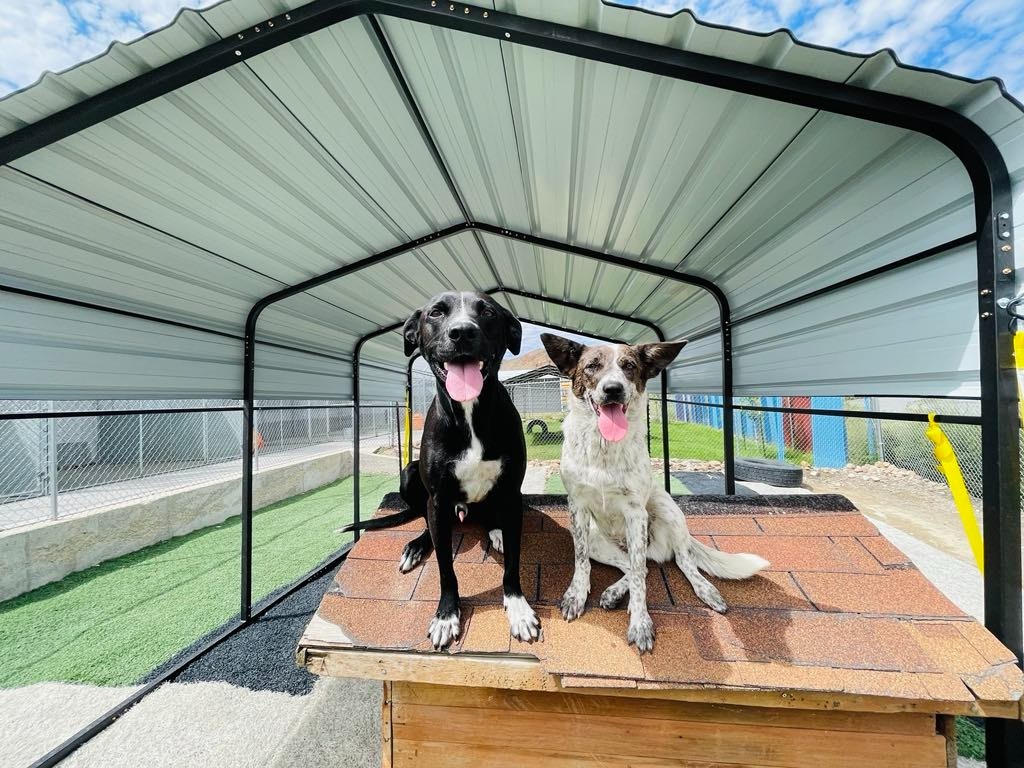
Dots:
{"x": 387, "y": 741}
{"x": 789, "y": 699}
{"x": 514, "y": 673}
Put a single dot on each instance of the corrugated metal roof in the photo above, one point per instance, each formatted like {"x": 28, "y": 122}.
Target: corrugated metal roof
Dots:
{"x": 193, "y": 206}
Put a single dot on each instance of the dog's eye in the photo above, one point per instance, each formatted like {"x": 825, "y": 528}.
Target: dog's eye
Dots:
{"x": 627, "y": 365}
{"x": 435, "y": 312}
{"x": 593, "y": 365}
{"x": 487, "y": 311}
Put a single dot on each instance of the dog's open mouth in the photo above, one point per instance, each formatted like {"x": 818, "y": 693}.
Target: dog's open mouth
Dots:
{"x": 464, "y": 379}
{"x": 611, "y": 420}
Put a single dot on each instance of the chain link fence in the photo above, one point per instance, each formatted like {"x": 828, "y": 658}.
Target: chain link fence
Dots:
{"x": 51, "y": 468}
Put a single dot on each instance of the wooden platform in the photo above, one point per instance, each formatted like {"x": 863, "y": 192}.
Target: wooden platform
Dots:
{"x": 841, "y": 654}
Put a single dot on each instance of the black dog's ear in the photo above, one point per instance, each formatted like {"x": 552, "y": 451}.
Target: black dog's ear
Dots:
{"x": 655, "y": 358}
{"x": 411, "y": 332}
{"x": 513, "y": 331}
{"x": 565, "y": 353}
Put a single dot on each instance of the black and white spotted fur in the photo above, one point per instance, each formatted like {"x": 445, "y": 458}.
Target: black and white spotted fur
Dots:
{"x": 619, "y": 514}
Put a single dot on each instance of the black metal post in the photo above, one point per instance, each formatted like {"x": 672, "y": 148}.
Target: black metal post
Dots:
{"x": 666, "y": 454}
{"x": 409, "y": 396}
{"x": 355, "y": 440}
{"x": 248, "y": 445}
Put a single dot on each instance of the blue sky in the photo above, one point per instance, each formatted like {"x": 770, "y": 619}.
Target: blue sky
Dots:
{"x": 977, "y": 38}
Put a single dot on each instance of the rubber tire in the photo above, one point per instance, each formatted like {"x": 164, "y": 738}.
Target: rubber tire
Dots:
{"x": 770, "y": 472}
{"x": 539, "y": 423}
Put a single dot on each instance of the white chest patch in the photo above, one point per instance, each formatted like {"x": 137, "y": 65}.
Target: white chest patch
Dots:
{"x": 475, "y": 476}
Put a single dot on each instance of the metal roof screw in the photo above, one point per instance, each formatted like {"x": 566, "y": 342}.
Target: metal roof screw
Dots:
{"x": 1004, "y": 233}
{"x": 507, "y": 35}
{"x": 270, "y": 23}
{"x": 238, "y": 53}
{"x": 433, "y": 3}
{"x": 287, "y": 17}
{"x": 985, "y": 291}
{"x": 465, "y": 10}
{"x": 1004, "y": 216}
{"x": 486, "y": 14}
{"x": 986, "y": 314}
{"x": 451, "y": 7}
{"x": 1006, "y": 248}
{"x": 257, "y": 29}
{"x": 1007, "y": 270}
{"x": 241, "y": 36}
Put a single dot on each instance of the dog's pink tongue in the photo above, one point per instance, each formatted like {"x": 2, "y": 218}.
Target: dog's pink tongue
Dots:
{"x": 464, "y": 381}
{"x": 611, "y": 420}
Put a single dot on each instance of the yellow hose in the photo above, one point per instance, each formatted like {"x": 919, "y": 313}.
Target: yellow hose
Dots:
{"x": 1018, "y": 355}
{"x": 950, "y": 469}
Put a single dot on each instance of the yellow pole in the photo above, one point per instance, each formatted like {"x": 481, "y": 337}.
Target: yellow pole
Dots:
{"x": 950, "y": 469}
{"x": 407, "y": 448}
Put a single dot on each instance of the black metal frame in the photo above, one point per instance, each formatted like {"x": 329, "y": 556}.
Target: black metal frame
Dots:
{"x": 972, "y": 146}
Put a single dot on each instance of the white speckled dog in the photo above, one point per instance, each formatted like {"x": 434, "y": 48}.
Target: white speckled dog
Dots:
{"x": 619, "y": 514}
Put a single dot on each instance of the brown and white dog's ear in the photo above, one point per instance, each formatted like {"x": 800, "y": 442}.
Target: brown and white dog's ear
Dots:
{"x": 411, "y": 332}
{"x": 513, "y": 331}
{"x": 564, "y": 353}
{"x": 655, "y": 358}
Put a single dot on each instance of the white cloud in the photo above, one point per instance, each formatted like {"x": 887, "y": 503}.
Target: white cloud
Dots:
{"x": 41, "y": 35}
{"x": 976, "y": 38}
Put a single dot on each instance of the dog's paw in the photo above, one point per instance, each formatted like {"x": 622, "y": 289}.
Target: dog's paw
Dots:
{"x": 443, "y": 630}
{"x": 412, "y": 555}
{"x": 497, "y": 541}
{"x": 612, "y": 597}
{"x": 574, "y": 603}
{"x": 523, "y": 623}
{"x": 711, "y": 597}
{"x": 641, "y": 632}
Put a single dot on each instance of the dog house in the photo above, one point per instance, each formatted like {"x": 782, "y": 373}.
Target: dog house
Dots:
{"x": 247, "y": 204}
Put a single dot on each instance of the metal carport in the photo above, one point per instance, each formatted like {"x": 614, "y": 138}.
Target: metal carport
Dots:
{"x": 324, "y": 167}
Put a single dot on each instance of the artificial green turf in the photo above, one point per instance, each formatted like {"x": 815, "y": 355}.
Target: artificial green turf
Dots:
{"x": 113, "y": 623}
{"x": 554, "y": 484}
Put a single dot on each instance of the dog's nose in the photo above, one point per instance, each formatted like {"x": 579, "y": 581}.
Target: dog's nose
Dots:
{"x": 463, "y": 332}
{"x": 613, "y": 390}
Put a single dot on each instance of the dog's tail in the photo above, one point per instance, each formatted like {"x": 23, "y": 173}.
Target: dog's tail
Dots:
{"x": 388, "y": 521}
{"x": 726, "y": 565}
{"x": 413, "y": 493}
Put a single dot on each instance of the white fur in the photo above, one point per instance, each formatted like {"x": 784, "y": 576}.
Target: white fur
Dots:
{"x": 443, "y": 631}
{"x": 622, "y": 517}
{"x": 475, "y": 475}
{"x": 522, "y": 621}
{"x": 497, "y": 540}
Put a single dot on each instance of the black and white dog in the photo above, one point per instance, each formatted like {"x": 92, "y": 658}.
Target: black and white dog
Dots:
{"x": 472, "y": 454}
{"x": 619, "y": 515}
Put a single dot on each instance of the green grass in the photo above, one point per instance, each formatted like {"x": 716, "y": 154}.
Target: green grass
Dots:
{"x": 970, "y": 738}
{"x": 685, "y": 441}
{"x": 113, "y": 623}
{"x": 554, "y": 484}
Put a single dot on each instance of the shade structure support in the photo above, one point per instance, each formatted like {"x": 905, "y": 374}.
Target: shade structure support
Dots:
{"x": 249, "y": 362}
{"x": 974, "y": 148}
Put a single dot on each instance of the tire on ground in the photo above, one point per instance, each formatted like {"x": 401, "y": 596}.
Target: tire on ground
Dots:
{"x": 536, "y": 423}
{"x": 770, "y": 472}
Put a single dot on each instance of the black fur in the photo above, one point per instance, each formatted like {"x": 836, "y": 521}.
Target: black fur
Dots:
{"x": 429, "y": 485}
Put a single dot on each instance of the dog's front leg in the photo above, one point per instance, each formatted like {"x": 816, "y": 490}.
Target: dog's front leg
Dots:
{"x": 444, "y": 627}
{"x": 641, "y": 627}
{"x": 522, "y": 620}
{"x": 574, "y": 601}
